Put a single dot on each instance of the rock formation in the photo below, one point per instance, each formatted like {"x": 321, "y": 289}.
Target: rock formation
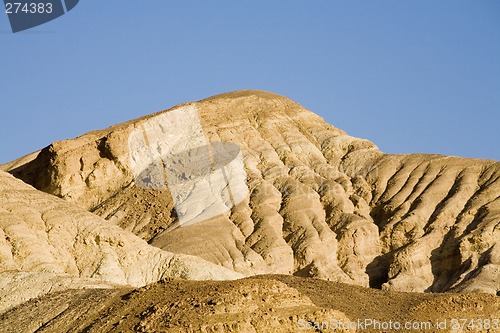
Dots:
{"x": 320, "y": 204}
{"x": 47, "y": 244}
{"x": 239, "y": 184}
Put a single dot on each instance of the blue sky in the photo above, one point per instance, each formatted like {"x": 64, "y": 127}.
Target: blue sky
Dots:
{"x": 411, "y": 76}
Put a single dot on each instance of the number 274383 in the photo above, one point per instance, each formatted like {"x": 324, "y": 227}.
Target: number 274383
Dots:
{"x": 28, "y": 8}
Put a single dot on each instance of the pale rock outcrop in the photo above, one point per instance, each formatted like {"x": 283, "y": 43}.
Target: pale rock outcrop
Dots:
{"x": 19, "y": 287}
{"x": 48, "y": 244}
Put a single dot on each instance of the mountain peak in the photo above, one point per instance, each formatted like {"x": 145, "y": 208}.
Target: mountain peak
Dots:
{"x": 247, "y": 93}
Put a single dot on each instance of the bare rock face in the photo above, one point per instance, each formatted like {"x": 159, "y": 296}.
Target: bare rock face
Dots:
{"x": 47, "y": 244}
{"x": 19, "y": 287}
{"x": 320, "y": 203}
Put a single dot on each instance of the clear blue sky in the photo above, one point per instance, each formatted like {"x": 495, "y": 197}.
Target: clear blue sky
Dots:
{"x": 411, "y": 76}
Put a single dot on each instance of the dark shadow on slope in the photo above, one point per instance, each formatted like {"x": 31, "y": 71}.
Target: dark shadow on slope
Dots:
{"x": 378, "y": 270}
{"x": 447, "y": 266}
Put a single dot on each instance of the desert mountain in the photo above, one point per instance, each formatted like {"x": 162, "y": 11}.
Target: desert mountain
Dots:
{"x": 318, "y": 203}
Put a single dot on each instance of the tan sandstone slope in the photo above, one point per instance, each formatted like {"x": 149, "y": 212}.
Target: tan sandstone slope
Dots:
{"x": 47, "y": 244}
{"x": 320, "y": 204}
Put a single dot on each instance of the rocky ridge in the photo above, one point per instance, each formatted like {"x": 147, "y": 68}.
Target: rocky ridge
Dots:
{"x": 269, "y": 303}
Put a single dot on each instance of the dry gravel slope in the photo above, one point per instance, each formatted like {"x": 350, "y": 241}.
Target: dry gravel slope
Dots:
{"x": 264, "y": 304}
{"x": 321, "y": 204}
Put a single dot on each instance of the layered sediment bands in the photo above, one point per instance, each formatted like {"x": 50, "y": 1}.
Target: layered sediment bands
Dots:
{"x": 438, "y": 221}
{"x": 321, "y": 203}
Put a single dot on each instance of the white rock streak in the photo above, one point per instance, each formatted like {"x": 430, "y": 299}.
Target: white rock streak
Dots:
{"x": 171, "y": 151}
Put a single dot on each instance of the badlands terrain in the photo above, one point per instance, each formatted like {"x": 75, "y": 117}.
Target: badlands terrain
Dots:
{"x": 244, "y": 212}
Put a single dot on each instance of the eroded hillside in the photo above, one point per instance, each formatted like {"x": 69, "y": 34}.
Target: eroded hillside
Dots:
{"x": 48, "y": 245}
{"x": 320, "y": 203}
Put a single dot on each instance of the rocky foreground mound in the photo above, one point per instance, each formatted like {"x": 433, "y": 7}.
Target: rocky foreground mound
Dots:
{"x": 268, "y": 303}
